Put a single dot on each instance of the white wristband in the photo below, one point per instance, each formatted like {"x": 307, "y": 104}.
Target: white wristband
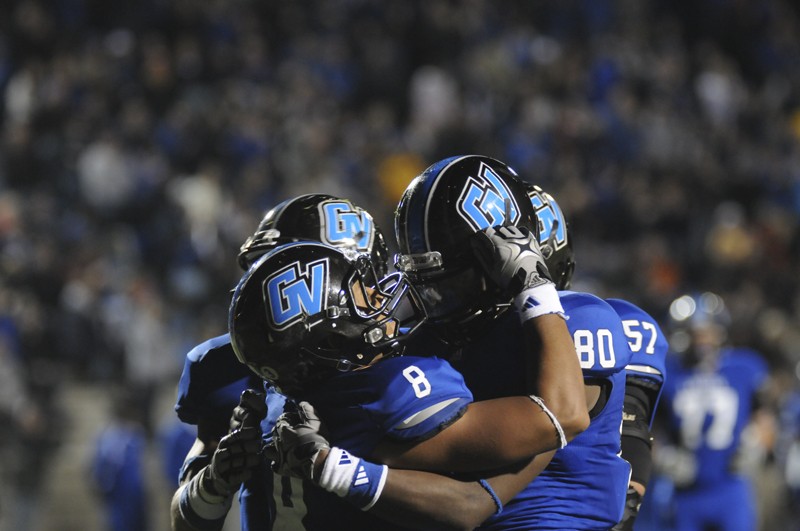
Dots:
{"x": 338, "y": 471}
{"x": 197, "y": 505}
{"x": 357, "y": 480}
{"x": 538, "y": 301}
{"x": 562, "y": 438}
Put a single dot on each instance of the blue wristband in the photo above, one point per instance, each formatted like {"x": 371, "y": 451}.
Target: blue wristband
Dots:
{"x": 488, "y": 488}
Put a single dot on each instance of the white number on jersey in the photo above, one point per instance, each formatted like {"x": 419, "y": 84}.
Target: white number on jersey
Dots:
{"x": 421, "y": 385}
{"x": 594, "y": 347}
{"x": 694, "y": 404}
{"x": 636, "y": 331}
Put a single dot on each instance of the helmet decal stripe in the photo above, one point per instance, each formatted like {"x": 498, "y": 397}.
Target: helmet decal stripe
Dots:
{"x": 294, "y": 292}
{"x": 482, "y": 202}
{"x": 342, "y": 222}
{"x": 439, "y": 169}
{"x": 550, "y": 216}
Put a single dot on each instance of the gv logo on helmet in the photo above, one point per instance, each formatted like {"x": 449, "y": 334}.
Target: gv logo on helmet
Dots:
{"x": 482, "y": 202}
{"x": 343, "y": 223}
{"x": 550, "y": 216}
{"x": 294, "y": 292}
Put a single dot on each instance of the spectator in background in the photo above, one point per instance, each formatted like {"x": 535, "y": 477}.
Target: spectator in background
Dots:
{"x": 117, "y": 467}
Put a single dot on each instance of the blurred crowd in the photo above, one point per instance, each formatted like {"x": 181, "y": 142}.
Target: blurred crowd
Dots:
{"x": 141, "y": 142}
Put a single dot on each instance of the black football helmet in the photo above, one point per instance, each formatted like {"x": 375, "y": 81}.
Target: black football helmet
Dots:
{"x": 553, "y": 235}
{"x": 438, "y": 214}
{"x": 698, "y": 326}
{"x": 317, "y": 217}
{"x": 306, "y": 310}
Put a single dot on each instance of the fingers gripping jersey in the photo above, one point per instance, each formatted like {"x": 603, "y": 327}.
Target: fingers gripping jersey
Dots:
{"x": 585, "y": 484}
{"x": 648, "y": 346}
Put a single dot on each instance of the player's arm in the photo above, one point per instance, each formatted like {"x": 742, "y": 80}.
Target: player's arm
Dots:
{"x": 414, "y": 498}
{"x": 637, "y": 443}
{"x": 499, "y": 432}
{"x": 215, "y": 469}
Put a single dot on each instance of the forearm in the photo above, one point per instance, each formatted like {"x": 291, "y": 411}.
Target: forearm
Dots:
{"x": 420, "y": 499}
{"x": 492, "y": 434}
{"x": 193, "y": 508}
{"x": 554, "y": 372}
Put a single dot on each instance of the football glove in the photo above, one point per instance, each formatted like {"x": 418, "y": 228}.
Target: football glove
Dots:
{"x": 297, "y": 439}
{"x": 239, "y": 452}
{"x": 250, "y": 411}
{"x": 511, "y": 257}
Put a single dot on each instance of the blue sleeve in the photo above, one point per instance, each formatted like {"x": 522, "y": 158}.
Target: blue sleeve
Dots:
{"x": 646, "y": 340}
{"x": 597, "y": 332}
{"x": 211, "y": 383}
{"x": 403, "y": 398}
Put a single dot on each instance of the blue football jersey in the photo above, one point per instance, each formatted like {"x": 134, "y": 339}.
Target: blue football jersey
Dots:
{"x": 585, "y": 484}
{"x": 708, "y": 410}
{"x": 648, "y": 346}
{"x": 403, "y": 398}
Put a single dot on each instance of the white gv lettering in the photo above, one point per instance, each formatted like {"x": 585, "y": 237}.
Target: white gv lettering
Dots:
{"x": 594, "y": 347}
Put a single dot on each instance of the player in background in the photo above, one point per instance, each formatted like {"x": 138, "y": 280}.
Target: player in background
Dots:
{"x": 213, "y": 379}
{"x": 645, "y": 375}
{"x": 708, "y": 401}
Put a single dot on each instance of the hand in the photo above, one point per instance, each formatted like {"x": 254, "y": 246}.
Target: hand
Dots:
{"x": 511, "y": 257}
{"x": 297, "y": 440}
{"x": 252, "y": 409}
{"x": 237, "y": 454}
{"x": 633, "y": 501}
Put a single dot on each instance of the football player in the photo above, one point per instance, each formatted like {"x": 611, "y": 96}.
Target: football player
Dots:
{"x": 645, "y": 371}
{"x": 437, "y": 220}
{"x": 312, "y": 510}
{"x": 644, "y": 381}
{"x": 708, "y": 401}
{"x": 213, "y": 379}
{"x": 323, "y": 328}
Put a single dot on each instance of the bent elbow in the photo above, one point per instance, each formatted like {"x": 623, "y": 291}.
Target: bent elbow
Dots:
{"x": 575, "y": 423}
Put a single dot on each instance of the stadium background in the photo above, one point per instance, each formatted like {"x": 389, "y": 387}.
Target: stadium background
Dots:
{"x": 142, "y": 141}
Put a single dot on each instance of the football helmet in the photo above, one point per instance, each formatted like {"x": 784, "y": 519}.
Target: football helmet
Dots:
{"x": 317, "y": 217}
{"x": 305, "y": 310}
{"x": 553, "y": 235}
{"x": 698, "y": 325}
{"x": 434, "y": 222}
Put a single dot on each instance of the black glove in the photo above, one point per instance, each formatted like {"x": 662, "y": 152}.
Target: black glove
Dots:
{"x": 633, "y": 500}
{"x": 250, "y": 411}
{"x": 239, "y": 452}
{"x": 511, "y": 257}
{"x": 297, "y": 438}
